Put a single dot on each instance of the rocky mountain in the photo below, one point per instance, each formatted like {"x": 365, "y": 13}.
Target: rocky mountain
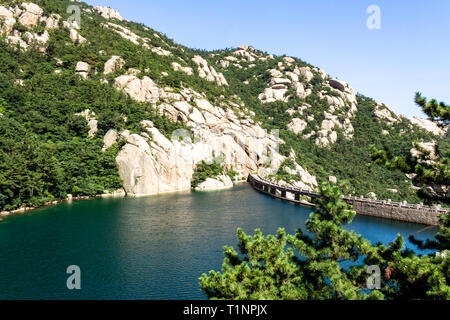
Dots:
{"x": 90, "y": 106}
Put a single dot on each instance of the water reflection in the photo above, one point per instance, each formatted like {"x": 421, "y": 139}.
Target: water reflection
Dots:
{"x": 145, "y": 248}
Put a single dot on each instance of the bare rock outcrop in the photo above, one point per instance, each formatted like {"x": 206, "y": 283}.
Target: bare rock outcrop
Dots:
{"x": 327, "y": 134}
{"x": 13, "y": 40}
{"x": 305, "y": 72}
{"x": 7, "y": 16}
{"x": 128, "y": 34}
{"x": 429, "y": 125}
{"x": 76, "y": 37}
{"x": 427, "y": 147}
{"x": 245, "y": 52}
{"x": 150, "y": 156}
{"x": 82, "y": 68}
{"x": 177, "y": 67}
{"x": 305, "y": 180}
{"x": 337, "y": 84}
{"x": 90, "y": 117}
{"x": 280, "y": 83}
{"x": 110, "y": 138}
{"x": 142, "y": 90}
{"x": 162, "y": 52}
{"x": 218, "y": 183}
{"x": 382, "y": 112}
{"x": 208, "y": 72}
{"x": 372, "y": 195}
{"x": 297, "y": 125}
{"x": 108, "y": 13}
{"x": 29, "y": 15}
{"x": 113, "y": 64}
{"x": 274, "y": 94}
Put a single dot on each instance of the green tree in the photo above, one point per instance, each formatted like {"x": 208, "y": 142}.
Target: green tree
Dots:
{"x": 439, "y": 112}
{"x": 332, "y": 264}
{"x": 427, "y": 276}
{"x": 431, "y": 171}
{"x": 204, "y": 171}
{"x": 310, "y": 268}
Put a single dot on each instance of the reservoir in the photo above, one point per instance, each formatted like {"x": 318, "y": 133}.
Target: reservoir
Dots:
{"x": 147, "y": 248}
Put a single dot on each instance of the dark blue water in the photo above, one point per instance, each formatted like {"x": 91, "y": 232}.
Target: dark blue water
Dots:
{"x": 145, "y": 248}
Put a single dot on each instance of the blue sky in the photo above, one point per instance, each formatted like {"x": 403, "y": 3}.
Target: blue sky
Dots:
{"x": 411, "y": 51}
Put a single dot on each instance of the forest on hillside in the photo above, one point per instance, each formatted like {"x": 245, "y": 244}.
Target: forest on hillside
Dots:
{"x": 45, "y": 150}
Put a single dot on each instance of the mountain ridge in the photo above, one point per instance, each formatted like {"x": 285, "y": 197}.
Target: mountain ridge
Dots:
{"x": 133, "y": 87}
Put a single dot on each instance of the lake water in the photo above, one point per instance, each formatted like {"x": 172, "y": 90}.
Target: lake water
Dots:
{"x": 146, "y": 248}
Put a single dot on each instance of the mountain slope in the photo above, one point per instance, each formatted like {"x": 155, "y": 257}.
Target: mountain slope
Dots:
{"x": 112, "y": 103}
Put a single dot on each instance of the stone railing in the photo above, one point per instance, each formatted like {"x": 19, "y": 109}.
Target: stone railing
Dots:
{"x": 400, "y": 211}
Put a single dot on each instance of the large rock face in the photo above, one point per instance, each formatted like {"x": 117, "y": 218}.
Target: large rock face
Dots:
{"x": 208, "y": 72}
{"x": 151, "y": 163}
{"x": 128, "y": 34}
{"x": 149, "y": 170}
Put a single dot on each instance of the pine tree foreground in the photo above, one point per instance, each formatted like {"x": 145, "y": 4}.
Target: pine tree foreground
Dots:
{"x": 333, "y": 264}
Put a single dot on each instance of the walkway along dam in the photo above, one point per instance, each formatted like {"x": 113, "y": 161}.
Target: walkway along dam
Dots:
{"x": 415, "y": 213}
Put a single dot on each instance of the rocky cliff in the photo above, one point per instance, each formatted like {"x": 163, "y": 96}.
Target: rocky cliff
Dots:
{"x": 249, "y": 110}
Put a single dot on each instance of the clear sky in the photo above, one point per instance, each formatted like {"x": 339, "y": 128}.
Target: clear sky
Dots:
{"x": 411, "y": 51}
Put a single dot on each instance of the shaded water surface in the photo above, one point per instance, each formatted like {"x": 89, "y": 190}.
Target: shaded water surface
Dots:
{"x": 145, "y": 248}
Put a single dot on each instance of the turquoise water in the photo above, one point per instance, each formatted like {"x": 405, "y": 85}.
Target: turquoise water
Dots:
{"x": 145, "y": 248}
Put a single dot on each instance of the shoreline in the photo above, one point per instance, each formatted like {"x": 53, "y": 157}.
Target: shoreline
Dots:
{"x": 23, "y": 210}
{"x": 114, "y": 194}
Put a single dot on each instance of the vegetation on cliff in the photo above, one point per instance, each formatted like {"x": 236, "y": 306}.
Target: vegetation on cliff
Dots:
{"x": 46, "y": 152}
{"x": 204, "y": 171}
{"x": 431, "y": 170}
